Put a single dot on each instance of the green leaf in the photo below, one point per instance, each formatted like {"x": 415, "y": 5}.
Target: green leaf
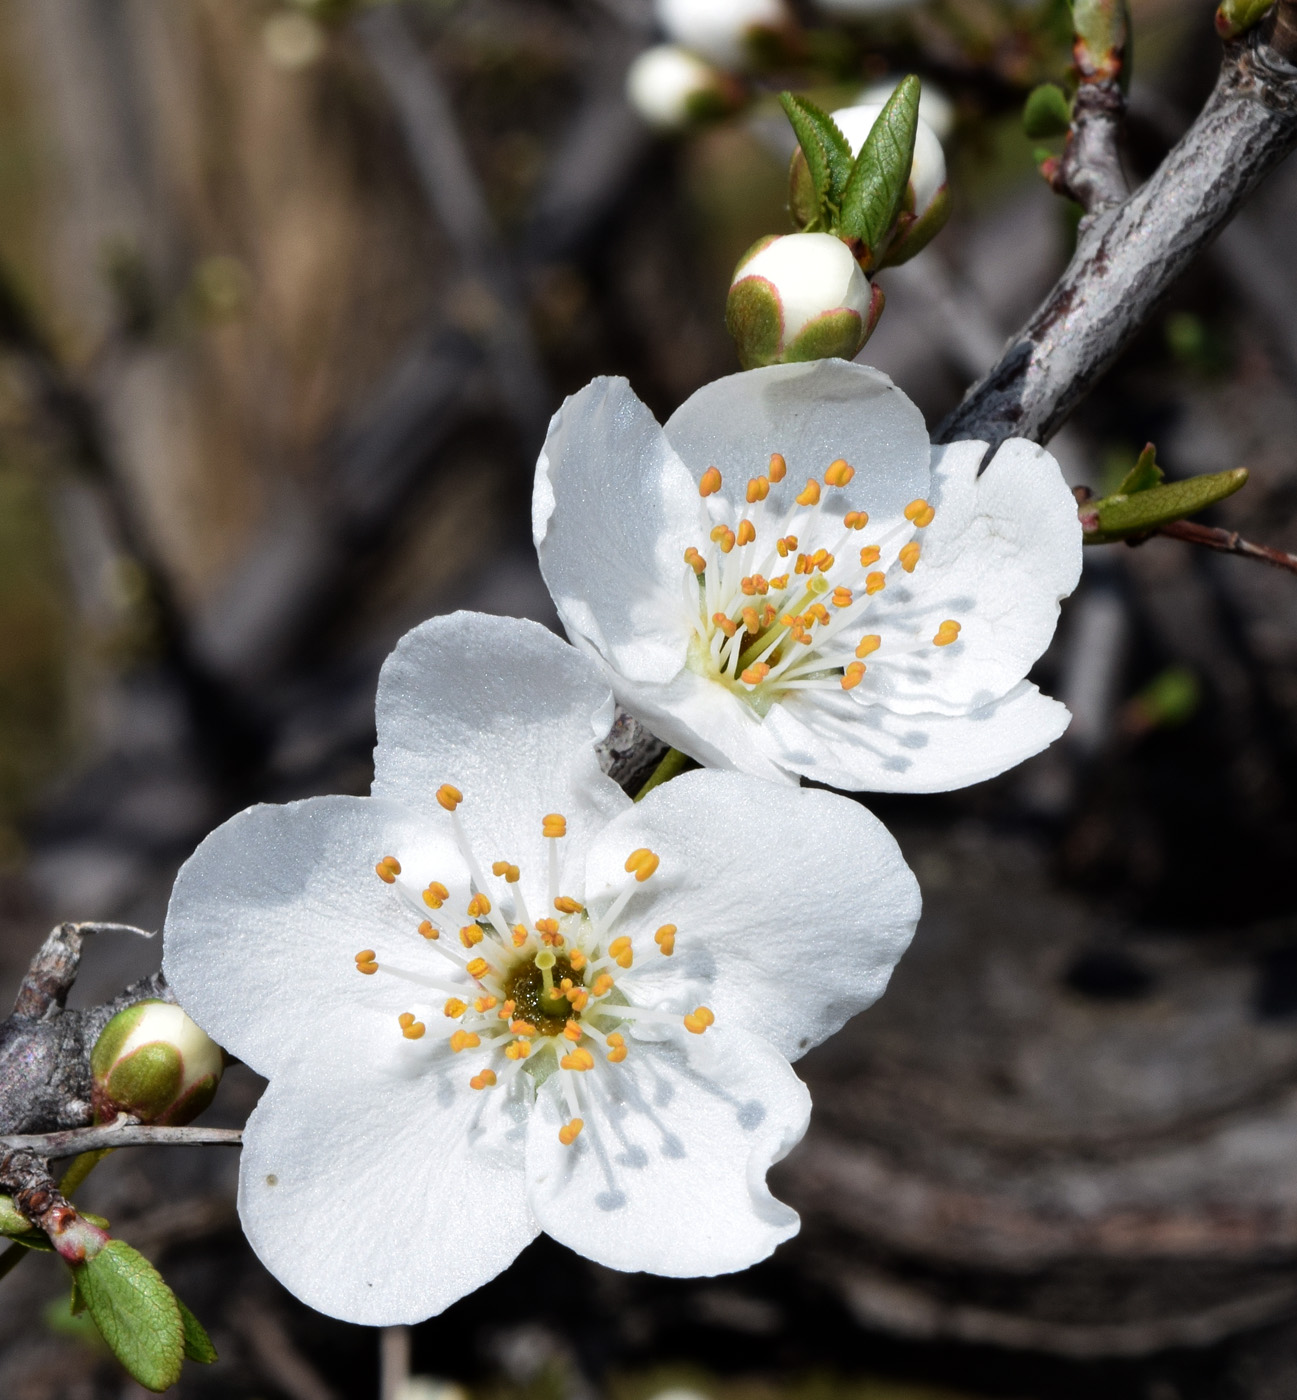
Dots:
{"x": 875, "y": 193}
{"x": 198, "y": 1345}
{"x": 827, "y": 151}
{"x": 1144, "y": 475}
{"x": 1119, "y": 516}
{"x": 136, "y": 1313}
{"x": 77, "y": 1304}
{"x": 1234, "y": 16}
{"x": 12, "y": 1220}
{"x": 1047, "y": 112}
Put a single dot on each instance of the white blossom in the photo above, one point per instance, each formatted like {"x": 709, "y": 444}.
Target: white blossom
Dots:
{"x": 668, "y": 86}
{"x": 789, "y": 579}
{"x": 719, "y": 30}
{"x": 928, "y": 170}
{"x": 497, "y": 997}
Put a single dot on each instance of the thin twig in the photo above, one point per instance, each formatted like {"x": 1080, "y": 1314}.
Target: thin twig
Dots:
{"x": 1229, "y": 542}
{"x": 75, "y": 1140}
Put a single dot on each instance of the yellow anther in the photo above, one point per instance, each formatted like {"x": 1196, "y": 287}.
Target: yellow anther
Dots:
{"x": 758, "y": 489}
{"x": 507, "y": 1010}
{"x": 803, "y": 565}
{"x": 521, "y": 1027}
{"x": 566, "y": 905}
{"x": 366, "y": 955}
{"x": 823, "y": 560}
{"x": 482, "y": 1081}
{"x": 642, "y": 863}
{"x": 519, "y": 935}
{"x": 819, "y": 612}
{"x": 853, "y": 675}
{"x": 698, "y": 1020}
{"x": 724, "y": 623}
{"x": 579, "y": 998}
{"x": 723, "y": 537}
{"x": 909, "y": 556}
{"x": 841, "y": 597}
{"x": 665, "y": 938}
{"x": 366, "y": 962}
{"x": 603, "y": 984}
{"x": 875, "y": 583}
{"x": 454, "y": 1008}
{"x": 747, "y": 532}
{"x": 572, "y": 1031}
{"x": 579, "y": 1059}
{"x": 511, "y": 873}
{"x": 368, "y": 968}
{"x": 799, "y": 635}
{"x": 470, "y": 935}
{"x": 919, "y": 513}
{"x": 569, "y": 1132}
{"x": 710, "y": 483}
{"x": 755, "y": 673}
{"x": 481, "y": 1004}
{"x": 751, "y": 621}
{"x": 406, "y": 1018}
{"x": 768, "y": 614}
{"x": 428, "y": 931}
{"x": 546, "y": 926}
{"x": 479, "y": 967}
{"x": 410, "y": 1028}
{"x": 479, "y": 906}
{"x": 553, "y": 825}
{"x": 620, "y": 951}
{"x": 946, "y": 633}
{"x": 464, "y": 1040}
{"x": 565, "y": 986}
{"x": 856, "y": 519}
{"x": 869, "y": 645}
{"x": 695, "y": 560}
{"x": 779, "y": 582}
{"x": 869, "y": 555}
{"x": 518, "y": 1049}
{"x": 436, "y": 895}
{"x": 577, "y": 959}
{"x": 839, "y": 473}
{"x": 778, "y": 468}
{"x": 810, "y": 495}
{"x": 388, "y": 869}
{"x": 449, "y": 797}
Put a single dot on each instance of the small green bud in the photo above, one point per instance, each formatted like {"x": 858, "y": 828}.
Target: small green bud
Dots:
{"x": 1102, "y": 31}
{"x": 1047, "y": 112}
{"x": 1233, "y": 17}
{"x": 1139, "y": 510}
{"x": 153, "y": 1062}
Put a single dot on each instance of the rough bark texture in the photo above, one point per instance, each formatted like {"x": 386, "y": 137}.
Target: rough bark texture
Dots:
{"x": 1128, "y": 259}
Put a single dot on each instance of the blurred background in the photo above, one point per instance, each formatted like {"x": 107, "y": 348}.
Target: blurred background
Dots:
{"x": 287, "y": 294}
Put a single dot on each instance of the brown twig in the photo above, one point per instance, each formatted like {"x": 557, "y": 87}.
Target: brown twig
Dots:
{"x": 76, "y": 1140}
{"x": 1229, "y": 542}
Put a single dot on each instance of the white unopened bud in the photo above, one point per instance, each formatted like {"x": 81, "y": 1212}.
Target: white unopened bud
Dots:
{"x": 153, "y": 1062}
{"x": 671, "y": 88}
{"x": 721, "y": 30}
{"x": 798, "y": 297}
{"x": 928, "y": 170}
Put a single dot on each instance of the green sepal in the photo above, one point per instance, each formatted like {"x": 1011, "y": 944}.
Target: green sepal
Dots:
{"x": 198, "y": 1345}
{"x": 755, "y": 318}
{"x": 832, "y": 335}
{"x": 76, "y": 1303}
{"x": 136, "y": 1313}
{"x": 1047, "y": 112}
{"x": 1119, "y": 516}
{"x": 1234, "y": 17}
{"x": 827, "y": 152}
{"x": 875, "y": 193}
{"x": 1144, "y": 475}
{"x": 913, "y": 235}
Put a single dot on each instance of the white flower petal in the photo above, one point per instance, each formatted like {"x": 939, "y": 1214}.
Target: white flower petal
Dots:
{"x": 613, "y": 512}
{"x": 833, "y": 739}
{"x": 507, "y": 713}
{"x": 791, "y": 905}
{"x": 812, "y": 414}
{"x": 669, "y": 1172}
{"x": 1002, "y": 551}
{"x": 374, "y": 1196}
{"x": 267, "y": 915}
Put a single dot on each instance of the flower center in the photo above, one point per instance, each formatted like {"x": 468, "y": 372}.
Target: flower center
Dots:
{"x": 525, "y": 994}
{"x": 789, "y": 596}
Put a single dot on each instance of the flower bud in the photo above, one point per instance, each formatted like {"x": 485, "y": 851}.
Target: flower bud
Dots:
{"x": 800, "y": 296}
{"x": 153, "y": 1062}
{"x": 927, "y": 201}
{"x": 1233, "y": 17}
{"x": 671, "y": 88}
{"x": 722, "y": 31}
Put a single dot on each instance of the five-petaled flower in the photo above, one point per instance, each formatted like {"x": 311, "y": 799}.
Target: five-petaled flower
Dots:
{"x": 789, "y": 579}
{"x": 496, "y": 997}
